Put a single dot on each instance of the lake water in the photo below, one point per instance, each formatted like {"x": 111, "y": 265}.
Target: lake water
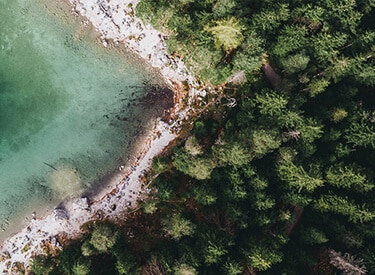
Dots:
{"x": 69, "y": 108}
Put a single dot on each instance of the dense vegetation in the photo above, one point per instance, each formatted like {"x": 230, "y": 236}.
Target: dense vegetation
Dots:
{"x": 281, "y": 183}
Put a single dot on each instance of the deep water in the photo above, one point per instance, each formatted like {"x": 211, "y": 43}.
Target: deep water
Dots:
{"x": 69, "y": 108}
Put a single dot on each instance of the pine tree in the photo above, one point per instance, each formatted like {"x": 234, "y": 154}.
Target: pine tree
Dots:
{"x": 177, "y": 226}
{"x": 297, "y": 178}
{"x": 347, "y": 177}
{"x": 339, "y": 114}
{"x": 317, "y": 86}
{"x": 231, "y": 154}
{"x": 103, "y": 238}
{"x": 270, "y": 18}
{"x": 228, "y": 34}
{"x": 342, "y": 205}
{"x": 42, "y": 265}
{"x": 81, "y": 268}
{"x": 290, "y": 40}
{"x": 270, "y": 103}
{"x": 263, "y": 256}
{"x": 326, "y": 46}
{"x": 213, "y": 252}
{"x": 264, "y": 141}
{"x": 196, "y": 167}
{"x": 361, "y": 134}
{"x": 295, "y": 63}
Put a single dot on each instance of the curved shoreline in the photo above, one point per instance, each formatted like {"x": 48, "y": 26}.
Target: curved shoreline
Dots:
{"x": 124, "y": 188}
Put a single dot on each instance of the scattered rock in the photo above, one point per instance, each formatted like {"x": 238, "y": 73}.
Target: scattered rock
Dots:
{"x": 60, "y": 214}
{"x": 83, "y": 203}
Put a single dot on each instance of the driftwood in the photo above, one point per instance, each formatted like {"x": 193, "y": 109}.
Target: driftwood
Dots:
{"x": 273, "y": 78}
{"x": 237, "y": 78}
{"x": 49, "y": 165}
{"x": 297, "y": 215}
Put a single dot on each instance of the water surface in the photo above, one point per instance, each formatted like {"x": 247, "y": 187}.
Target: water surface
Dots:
{"x": 69, "y": 108}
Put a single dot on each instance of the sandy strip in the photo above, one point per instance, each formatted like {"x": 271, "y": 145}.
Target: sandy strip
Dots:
{"x": 66, "y": 220}
{"x": 115, "y": 20}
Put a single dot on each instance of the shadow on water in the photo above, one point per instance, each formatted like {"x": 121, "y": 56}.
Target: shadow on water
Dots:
{"x": 160, "y": 97}
{"x": 71, "y": 111}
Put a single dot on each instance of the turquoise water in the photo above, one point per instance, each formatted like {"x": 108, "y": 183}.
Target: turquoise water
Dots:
{"x": 69, "y": 108}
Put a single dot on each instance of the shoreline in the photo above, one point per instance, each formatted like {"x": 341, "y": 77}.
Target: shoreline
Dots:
{"x": 123, "y": 189}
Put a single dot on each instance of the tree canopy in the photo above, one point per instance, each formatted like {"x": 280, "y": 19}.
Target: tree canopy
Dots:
{"x": 280, "y": 182}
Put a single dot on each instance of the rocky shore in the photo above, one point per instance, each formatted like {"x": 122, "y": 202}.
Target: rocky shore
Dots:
{"x": 116, "y": 21}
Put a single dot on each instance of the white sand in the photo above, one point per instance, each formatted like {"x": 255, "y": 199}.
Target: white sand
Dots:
{"x": 115, "y": 21}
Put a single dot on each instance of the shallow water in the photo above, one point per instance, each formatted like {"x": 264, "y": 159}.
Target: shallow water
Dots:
{"x": 69, "y": 108}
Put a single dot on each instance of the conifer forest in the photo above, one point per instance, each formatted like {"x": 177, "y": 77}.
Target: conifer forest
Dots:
{"x": 277, "y": 176}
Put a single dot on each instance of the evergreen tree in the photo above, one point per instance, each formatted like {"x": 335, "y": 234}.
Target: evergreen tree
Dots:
{"x": 227, "y": 33}
{"x": 265, "y": 185}
{"x": 177, "y": 226}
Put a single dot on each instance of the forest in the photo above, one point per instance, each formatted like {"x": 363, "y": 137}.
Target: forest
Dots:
{"x": 279, "y": 181}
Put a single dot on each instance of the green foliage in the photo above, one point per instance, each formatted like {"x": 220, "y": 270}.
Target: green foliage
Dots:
{"x": 268, "y": 185}
{"x": 338, "y": 69}
{"x": 42, "y": 265}
{"x": 311, "y": 130}
{"x": 361, "y": 134}
{"x": 339, "y": 114}
{"x": 341, "y": 205}
{"x": 125, "y": 261}
{"x": 159, "y": 165}
{"x": 68, "y": 257}
{"x": 184, "y": 269}
{"x": 311, "y": 16}
{"x": 270, "y": 103}
{"x": 88, "y": 249}
{"x": 204, "y": 195}
{"x": 344, "y": 14}
{"x": 177, "y": 226}
{"x": 312, "y": 236}
{"x": 231, "y": 154}
{"x": 290, "y": 40}
{"x": 348, "y": 177}
{"x": 165, "y": 190}
{"x": 297, "y": 178}
{"x": 222, "y": 8}
{"x": 227, "y": 33}
{"x": 233, "y": 268}
{"x": 262, "y": 202}
{"x": 213, "y": 252}
{"x": 317, "y": 86}
{"x": 248, "y": 58}
{"x": 263, "y": 258}
{"x": 258, "y": 262}
{"x": 264, "y": 141}
{"x": 193, "y": 147}
{"x": 295, "y": 63}
{"x": 327, "y": 45}
{"x": 81, "y": 269}
{"x": 103, "y": 238}
{"x": 150, "y": 207}
{"x": 196, "y": 167}
{"x": 204, "y": 128}
{"x": 270, "y": 19}
{"x": 367, "y": 76}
